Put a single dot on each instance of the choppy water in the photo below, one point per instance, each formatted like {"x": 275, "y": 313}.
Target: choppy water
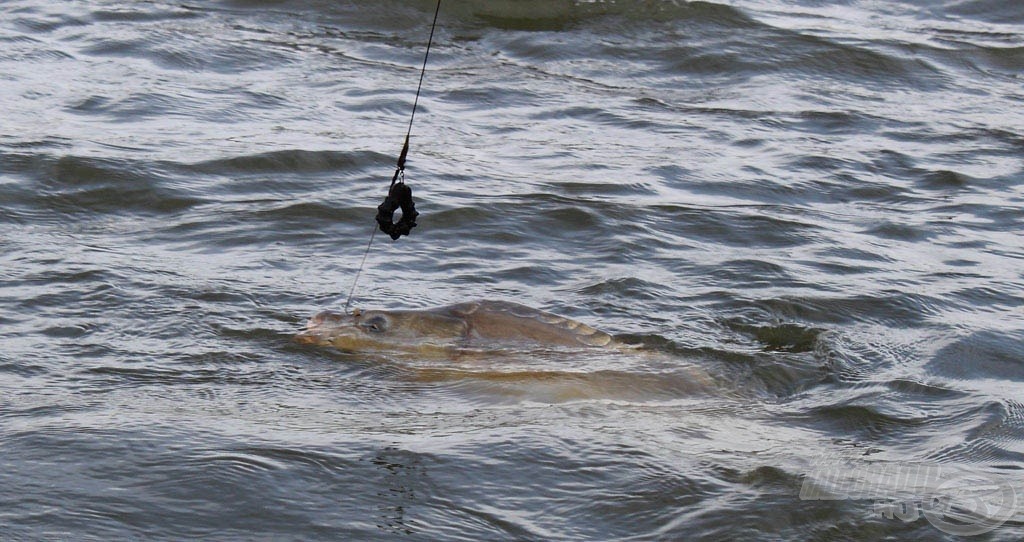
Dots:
{"x": 818, "y": 203}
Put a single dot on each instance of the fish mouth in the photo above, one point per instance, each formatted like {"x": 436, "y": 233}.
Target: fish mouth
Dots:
{"x": 307, "y": 337}
{"x": 321, "y": 327}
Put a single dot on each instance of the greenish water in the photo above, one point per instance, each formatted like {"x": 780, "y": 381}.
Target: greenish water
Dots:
{"x": 817, "y": 204}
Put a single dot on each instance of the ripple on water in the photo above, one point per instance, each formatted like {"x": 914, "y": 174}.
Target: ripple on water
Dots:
{"x": 993, "y": 436}
{"x": 292, "y": 162}
{"x": 886, "y": 307}
{"x": 983, "y": 354}
{"x": 161, "y": 45}
{"x": 84, "y": 187}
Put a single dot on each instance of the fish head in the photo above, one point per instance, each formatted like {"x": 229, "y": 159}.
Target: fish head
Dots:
{"x": 376, "y": 330}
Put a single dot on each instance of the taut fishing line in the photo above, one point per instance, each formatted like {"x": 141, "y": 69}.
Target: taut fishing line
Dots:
{"x": 399, "y": 195}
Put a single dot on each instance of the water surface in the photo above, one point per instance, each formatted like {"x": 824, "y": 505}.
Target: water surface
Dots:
{"x": 817, "y": 203}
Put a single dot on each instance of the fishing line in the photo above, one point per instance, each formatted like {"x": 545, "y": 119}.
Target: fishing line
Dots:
{"x": 399, "y": 195}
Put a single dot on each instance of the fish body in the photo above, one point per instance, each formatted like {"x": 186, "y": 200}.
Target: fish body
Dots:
{"x": 477, "y": 324}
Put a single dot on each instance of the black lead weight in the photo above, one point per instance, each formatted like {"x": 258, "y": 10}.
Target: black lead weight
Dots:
{"x": 399, "y": 197}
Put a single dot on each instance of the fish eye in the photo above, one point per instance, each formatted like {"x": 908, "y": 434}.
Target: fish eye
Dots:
{"x": 375, "y": 324}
